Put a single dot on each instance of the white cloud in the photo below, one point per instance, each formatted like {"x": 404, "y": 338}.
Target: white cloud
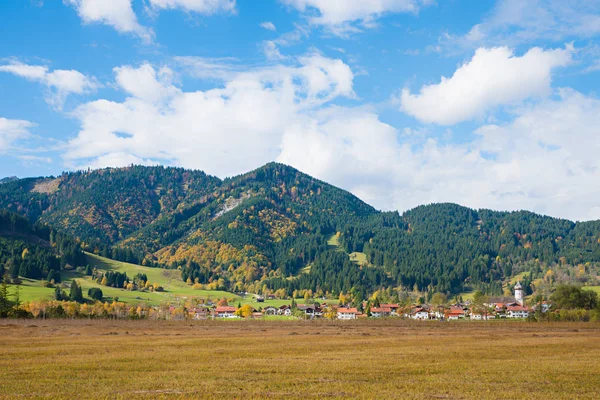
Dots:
{"x": 60, "y": 82}
{"x": 116, "y": 13}
{"x": 544, "y": 160}
{"x": 145, "y": 83}
{"x": 268, "y": 25}
{"x": 493, "y": 77}
{"x": 516, "y": 21}
{"x": 206, "y": 7}
{"x": 11, "y": 131}
{"x": 271, "y": 50}
{"x": 225, "y": 130}
{"x": 342, "y": 16}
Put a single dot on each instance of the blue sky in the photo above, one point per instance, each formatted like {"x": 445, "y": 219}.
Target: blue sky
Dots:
{"x": 489, "y": 104}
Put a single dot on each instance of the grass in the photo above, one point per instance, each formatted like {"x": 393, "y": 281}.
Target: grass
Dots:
{"x": 592, "y": 288}
{"x": 298, "y": 360}
{"x": 466, "y": 296}
{"x": 176, "y": 291}
{"x": 334, "y": 240}
{"x": 358, "y": 257}
{"x": 31, "y": 290}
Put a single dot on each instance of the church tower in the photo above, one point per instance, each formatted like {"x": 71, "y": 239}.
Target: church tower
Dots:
{"x": 519, "y": 293}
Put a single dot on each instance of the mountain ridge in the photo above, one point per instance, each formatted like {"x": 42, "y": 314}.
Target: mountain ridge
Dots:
{"x": 255, "y": 230}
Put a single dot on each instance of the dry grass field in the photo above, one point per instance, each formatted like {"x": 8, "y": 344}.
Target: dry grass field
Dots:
{"x": 304, "y": 360}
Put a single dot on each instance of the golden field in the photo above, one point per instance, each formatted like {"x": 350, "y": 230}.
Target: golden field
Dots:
{"x": 298, "y": 359}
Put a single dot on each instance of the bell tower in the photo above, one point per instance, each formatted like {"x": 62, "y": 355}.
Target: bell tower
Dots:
{"x": 519, "y": 293}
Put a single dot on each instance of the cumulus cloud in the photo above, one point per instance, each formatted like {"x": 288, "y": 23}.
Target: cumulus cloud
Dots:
{"x": 11, "y": 131}
{"x": 342, "y": 16}
{"x": 493, "y": 77}
{"x": 60, "y": 83}
{"x": 268, "y": 25}
{"x": 543, "y": 160}
{"x": 225, "y": 130}
{"x": 116, "y": 13}
{"x": 206, "y": 7}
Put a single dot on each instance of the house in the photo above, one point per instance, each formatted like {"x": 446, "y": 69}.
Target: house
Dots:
{"x": 270, "y": 310}
{"x": 225, "y": 312}
{"x": 347, "y": 313}
{"x": 285, "y": 310}
{"x": 478, "y": 315}
{"x": 198, "y": 313}
{"x": 379, "y": 312}
{"x": 260, "y": 299}
{"x": 500, "y": 301}
{"x": 455, "y": 313}
{"x": 517, "y": 311}
{"x": 419, "y": 313}
{"x": 393, "y": 308}
{"x": 309, "y": 309}
{"x": 257, "y": 315}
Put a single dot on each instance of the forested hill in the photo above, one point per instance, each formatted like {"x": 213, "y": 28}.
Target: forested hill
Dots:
{"x": 269, "y": 229}
{"x": 35, "y": 252}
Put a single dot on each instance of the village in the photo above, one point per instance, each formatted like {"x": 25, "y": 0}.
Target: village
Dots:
{"x": 494, "y": 308}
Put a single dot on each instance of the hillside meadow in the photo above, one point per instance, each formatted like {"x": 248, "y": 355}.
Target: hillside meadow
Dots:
{"x": 319, "y": 359}
{"x": 176, "y": 291}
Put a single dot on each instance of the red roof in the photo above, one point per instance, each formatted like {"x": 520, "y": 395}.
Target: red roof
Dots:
{"x": 389, "y": 305}
{"x": 224, "y": 309}
{"x": 347, "y": 310}
{"x": 517, "y": 308}
{"x": 381, "y": 309}
{"x": 455, "y": 311}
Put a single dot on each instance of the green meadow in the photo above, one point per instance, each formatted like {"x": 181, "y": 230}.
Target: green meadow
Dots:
{"x": 175, "y": 290}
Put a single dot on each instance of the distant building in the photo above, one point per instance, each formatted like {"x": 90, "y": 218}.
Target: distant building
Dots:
{"x": 225, "y": 312}
{"x": 285, "y": 310}
{"x": 199, "y": 313}
{"x": 420, "y": 314}
{"x": 270, "y": 310}
{"x": 347, "y": 313}
{"x": 455, "y": 313}
{"x": 519, "y": 295}
{"x": 393, "y": 308}
{"x": 517, "y": 311}
{"x": 379, "y": 312}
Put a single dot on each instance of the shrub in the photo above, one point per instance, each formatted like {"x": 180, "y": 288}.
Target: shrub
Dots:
{"x": 95, "y": 294}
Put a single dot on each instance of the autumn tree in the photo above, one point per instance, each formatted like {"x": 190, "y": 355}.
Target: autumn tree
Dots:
{"x": 244, "y": 311}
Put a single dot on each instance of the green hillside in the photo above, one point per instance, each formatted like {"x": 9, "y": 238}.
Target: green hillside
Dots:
{"x": 276, "y": 228}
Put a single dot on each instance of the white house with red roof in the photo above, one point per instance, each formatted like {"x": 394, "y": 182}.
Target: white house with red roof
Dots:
{"x": 379, "y": 312}
{"x": 420, "y": 314}
{"x": 455, "y": 313}
{"x": 225, "y": 312}
{"x": 517, "y": 311}
{"x": 347, "y": 313}
{"x": 393, "y": 308}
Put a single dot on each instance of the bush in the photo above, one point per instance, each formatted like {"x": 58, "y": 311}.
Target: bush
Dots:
{"x": 95, "y": 294}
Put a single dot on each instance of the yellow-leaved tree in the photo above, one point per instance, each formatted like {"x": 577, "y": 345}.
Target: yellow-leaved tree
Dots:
{"x": 244, "y": 311}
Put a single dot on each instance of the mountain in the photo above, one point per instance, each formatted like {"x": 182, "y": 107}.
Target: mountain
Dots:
{"x": 8, "y": 179}
{"x": 277, "y": 228}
